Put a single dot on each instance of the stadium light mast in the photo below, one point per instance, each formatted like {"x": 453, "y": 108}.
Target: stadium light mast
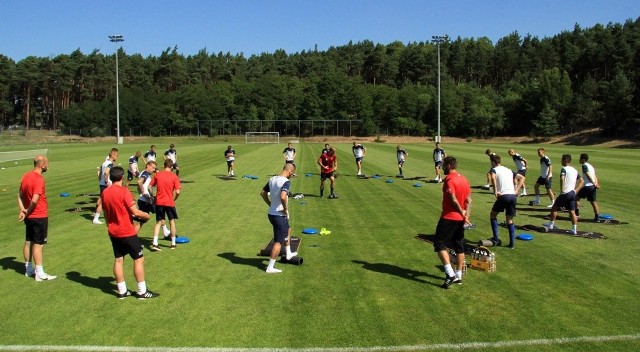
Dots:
{"x": 439, "y": 39}
{"x": 116, "y": 39}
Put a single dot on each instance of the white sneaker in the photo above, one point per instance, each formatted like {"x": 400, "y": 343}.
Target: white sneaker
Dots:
{"x": 550, "y": 226}
{"x": 45, "y": 277}
{"x": 359, "y": 173}
{"x": 436, "y": 179}
{"x": 97, "y": 222}
{"x": 575, "y": 232}
{"x": 488, "y": 185}
{"x": 291, "y": 255}
{"x": 550, "y": 205}
{"x": 273, "y": 271}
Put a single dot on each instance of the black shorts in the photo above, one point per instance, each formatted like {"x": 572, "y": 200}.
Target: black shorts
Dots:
{"x": 175, "y": 166}
{"x": 506, "y": 203}
{"x": 102, "y": 188}
{"x": 566, "y": 201}
{"x": 127, "y": 245}
{"x": 280, "y": 227}
{"x": 522, "y": 172}
{"x": 290, "y": 162}
{"x": 230, "y": 162}
{"x": 547, "y": 182}
{"x": 130, "y": 175}
{"x": 146, "y": 207}
{"x": 324, "y": 176}
{"x": 589, "y": 192}
{"x": 36, "y": 230}
{"x": 165, "y": 211}
{"x": 438, "y": 164}
{"x": 449, "y": 234}
{"x": 359, "y": 160}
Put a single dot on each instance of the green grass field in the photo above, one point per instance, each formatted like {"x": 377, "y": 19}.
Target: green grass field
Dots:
{"x": 369, "y": 285}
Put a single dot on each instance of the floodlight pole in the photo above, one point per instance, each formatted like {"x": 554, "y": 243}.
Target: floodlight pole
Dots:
{"x": 116, "y": 39}
{"x": 439, "y": 39}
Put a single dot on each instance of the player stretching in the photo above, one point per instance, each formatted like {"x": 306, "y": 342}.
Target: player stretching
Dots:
{"x": 402, "y": 155}
{"x": 591, "y": 186}
{"x": 359, "y": 152}
{"x": 546, "y": 178}
{"x": 504, "y": 190}
{"x": 570, "y": 182}
{"x": 521, "y": 169}
{"x": 276, "y": 194}
{"x": 172, "y": 154}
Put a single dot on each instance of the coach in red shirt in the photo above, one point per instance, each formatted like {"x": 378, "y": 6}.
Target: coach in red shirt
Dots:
{"x": 168, "y": 190}
{"x": 34, "y": 211}
{"x": 456, "y": 211}
{"x": 119, "y": 210}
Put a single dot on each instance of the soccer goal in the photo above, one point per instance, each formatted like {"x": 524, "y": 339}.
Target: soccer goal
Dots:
{"x": 262, "y": 137}
{"x": 22, "y": 154}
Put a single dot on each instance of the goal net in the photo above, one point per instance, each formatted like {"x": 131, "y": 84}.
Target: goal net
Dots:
{"x": 22, "y": 154}
{"x": 262, "y": 137}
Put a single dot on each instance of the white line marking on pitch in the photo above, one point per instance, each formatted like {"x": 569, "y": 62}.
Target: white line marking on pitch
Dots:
{"x": 433, "y": 347}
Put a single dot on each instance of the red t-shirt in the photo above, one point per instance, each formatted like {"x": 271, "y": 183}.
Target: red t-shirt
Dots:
{"x": 116, "y": 201}
{"x": 327, "y": 160}
{"x": 166, "y": 182}
{"x": 457, "y": 185}
{"x": 32, "y": 184}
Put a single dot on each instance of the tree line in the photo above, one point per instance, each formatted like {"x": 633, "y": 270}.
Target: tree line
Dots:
{"x": 521, "y": 85}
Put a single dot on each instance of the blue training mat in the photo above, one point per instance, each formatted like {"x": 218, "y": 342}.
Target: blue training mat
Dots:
{"x": 606, "y": 216}
{"x": 182, "y": 240}
{"x": 525, "y": 237}
{"x": 310, "y": 231}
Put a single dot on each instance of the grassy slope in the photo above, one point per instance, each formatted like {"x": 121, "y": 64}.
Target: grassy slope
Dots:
{"x": 369, "y": 283}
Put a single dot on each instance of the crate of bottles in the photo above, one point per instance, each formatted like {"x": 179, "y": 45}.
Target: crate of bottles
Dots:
{"x": 483, "y": 259}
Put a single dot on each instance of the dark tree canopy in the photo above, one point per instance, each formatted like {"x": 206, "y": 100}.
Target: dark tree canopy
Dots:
{"x": 522, "y": 85}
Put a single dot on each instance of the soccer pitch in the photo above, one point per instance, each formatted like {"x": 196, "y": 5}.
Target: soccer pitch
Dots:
{"x": 369, "y": 285}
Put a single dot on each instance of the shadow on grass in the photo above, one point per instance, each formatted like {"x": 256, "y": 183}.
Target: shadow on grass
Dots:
{"x": 10, "y": 263}
{"x": 105, "y": 284}
{"x": 226, "y": 178}
{"x": 404, "y": 273}
{"x": 257, "y": 263}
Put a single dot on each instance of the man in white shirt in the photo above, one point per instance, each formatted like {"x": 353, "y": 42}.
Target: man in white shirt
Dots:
{"x": 502, "y": 181}
{"x": 276, "y": 194}
{"x": 570, "y": 184}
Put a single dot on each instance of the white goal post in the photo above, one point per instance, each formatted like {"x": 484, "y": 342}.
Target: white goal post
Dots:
{"x": 262, "y": 137}
{"x": 22, "y": 154}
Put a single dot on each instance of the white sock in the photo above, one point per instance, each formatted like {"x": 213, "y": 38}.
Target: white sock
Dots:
{"x": 122, "y": 287}
{"x": 96, "y": 217}
{"x": 459, "y": 274}
{"x": 39, "y": 270}
{"x": 142, "y": 287}
{"x": 173, "y": 241}
{"x": 575, "y": 228}
{"x": 272, "y": 262}
{"x": 448, "y": 270}
{"x": 155, "y": 240}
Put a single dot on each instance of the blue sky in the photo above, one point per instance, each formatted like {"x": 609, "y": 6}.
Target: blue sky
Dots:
{"x": 49, "y": 28}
